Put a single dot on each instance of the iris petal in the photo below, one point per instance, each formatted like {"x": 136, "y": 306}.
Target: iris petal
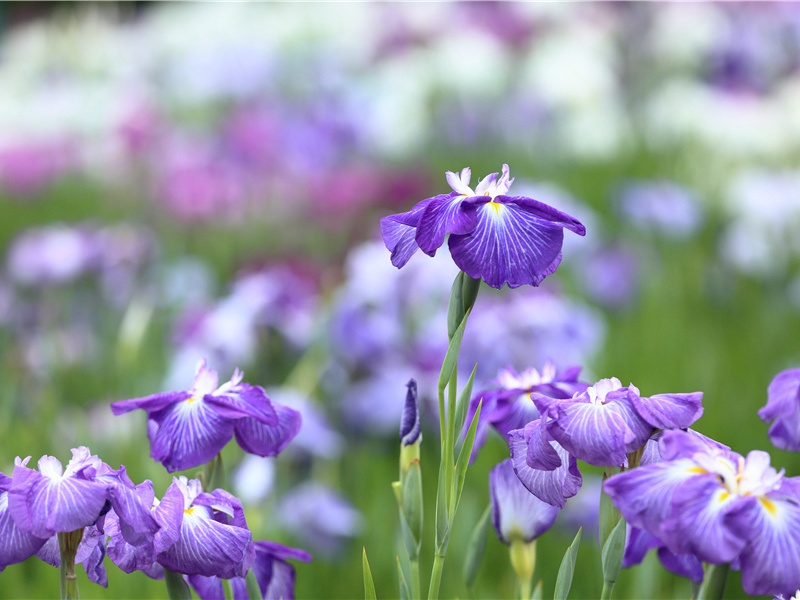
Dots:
{"x": 265, "y": 440}
{"x": 443, "y": 214}
{"x": 553, "y": 487}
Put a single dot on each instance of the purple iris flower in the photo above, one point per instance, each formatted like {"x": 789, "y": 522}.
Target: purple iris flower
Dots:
{"x": 509, "y": 406}
{"x": 501, "y": 239}
{"x": 189, "y": 428}
{"x": 274, "y": 574}
{"x": 16, "y": 544}
{"x": 516, "y": 513}
{"x": 602, "y": 425}
{"x": 719, "y": 506}
{"x": 90, "y": 553}
{"x": 783, "y": 409}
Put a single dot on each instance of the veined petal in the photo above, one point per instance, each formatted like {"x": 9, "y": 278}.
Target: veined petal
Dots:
{"x": 515, "y": 510}
{"x": 444, "y": 214}
{"x": 771, "y": 563}
{"x": 595, "y": 433}
{"x": 207, "y": 547}
{"x": 399, "y": 233}
{"x": 708, "y": 522}
{"x": 267, "y": 440}
{"x": 16, "y": 545}
{"x": 244, "y": 401}
{"x": 188, "y": 434}
{"x": 508, "y": 244}
{"x": 553, "y": 487}
{"x": 44, "y": 506}
{"x": 152, "y": 403}
{"x": 669, "y": 411}
{"x": 644, "y": 494}
{"x": 542, "y": 453}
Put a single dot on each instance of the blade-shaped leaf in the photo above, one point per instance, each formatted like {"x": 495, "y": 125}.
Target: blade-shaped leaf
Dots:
{"x": 451, "y": 357}
{"x": 567, "y": 569}
{"x": 476, "y": 547}
{"x": 369, "y": 585}
{"x": 463, "y": 457}
{"x": 612, "y": 553}
{"x": 463, "y": 400}
{"x": 405, "y": 593}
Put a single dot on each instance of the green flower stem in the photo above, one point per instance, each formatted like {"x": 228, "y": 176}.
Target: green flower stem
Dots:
{"x": 176, "y": 586}
{"x": 436, "y": 576}
{"x": 608, "y": 587}
{"x": 416, "y": 590}
{"x": 713, "y": 586}
{"x": 523, "y": 560}
{"x": 68, "y": 547}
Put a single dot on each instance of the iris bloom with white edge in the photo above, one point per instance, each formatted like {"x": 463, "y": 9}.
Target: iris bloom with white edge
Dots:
{"x": 189, "y": 428}
{"x": 502, "y": 239}
{"x": 720, "y": 506}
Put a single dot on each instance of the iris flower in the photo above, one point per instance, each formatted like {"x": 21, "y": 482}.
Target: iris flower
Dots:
{"x": 189, "y": 428}
{"x": 719, "y": 506}
{"x": 502, "y": 239}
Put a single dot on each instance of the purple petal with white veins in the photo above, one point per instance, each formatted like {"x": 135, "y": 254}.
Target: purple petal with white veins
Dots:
{"x": 444, "y": 214}
{"x": 675, "y": 444}
{"x": 399, "y": 233}
{"x": 242, "y": 402}
{"x": 644, "y": 494}
{"x": 169, "y": 515}
{"x": 207, "y": 547}
{"x": 770, "y": 563}
{"x": 669, "y": 411}
{"x": 189, "y": 434}
{"x": 516, "y": 415}
{"x": 15, "y": 545}
{"x": 595, "y": 433}
{"x": 94, "y": 567}
{"x": 709, "y": 522}
{"x": 515, "y": 511}
{"x": 44, "y": 505}
{"x": 553, "y": 487}
{"x": 264, "y": 440}
{"x": 152, "y": 403}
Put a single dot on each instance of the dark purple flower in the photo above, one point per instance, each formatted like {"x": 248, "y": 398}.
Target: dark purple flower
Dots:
{"x": 719, "y": 506}
{"x": 501, "y": 239}
{"x": 189, "y": 428}
{"x": 409, "y": 423}
{"x": 516, "y": 513}
{"x": 640, "y": 542}
{"x": 783, "y": 409}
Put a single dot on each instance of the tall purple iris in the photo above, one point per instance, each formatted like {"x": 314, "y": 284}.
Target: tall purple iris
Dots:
{"x": 718, "y": 506}
{"x": 189, "y": 428}
{"x": 501, "y": 239}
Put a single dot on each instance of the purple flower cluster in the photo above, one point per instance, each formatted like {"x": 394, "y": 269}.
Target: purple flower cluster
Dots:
{"x": 189, "y": 428}
{"x": 189, "y": 531}
{"x": 703, "y": 502}
{"x": 601, "y": 426}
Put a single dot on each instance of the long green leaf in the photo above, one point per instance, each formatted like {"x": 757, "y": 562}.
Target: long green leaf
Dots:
{"x": 405, "y": 592}
{"x": 612, "y": 553}
{"x": 476, "y": 547}
{"x": 251, "y": 584}
{"x": 369, "y": 584}
{"x": 455, "y": 307}
{"x": 451, "y": 357}
{"x": 463, "y": 457}
{"x": 463, "y": 400}
{"x": 567, "y": 569}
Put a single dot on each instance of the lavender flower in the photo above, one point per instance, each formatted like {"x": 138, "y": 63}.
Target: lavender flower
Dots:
{"x": 719, "y": 506}
{"x": 501, "y": 239}
{"x": 16, "y": 544}
{"x": 516, "y": 513}
{"x": 783, "y": 409}
{"x": 189, "y": 428}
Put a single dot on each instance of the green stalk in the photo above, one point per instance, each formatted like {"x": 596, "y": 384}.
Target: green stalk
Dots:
{"x": 68, "y": 547}
{"x": 713, "y": 586}
{"x": 176, "y": 586}
{"x": 436, "y": 576}
{"x": 415, "y": 582}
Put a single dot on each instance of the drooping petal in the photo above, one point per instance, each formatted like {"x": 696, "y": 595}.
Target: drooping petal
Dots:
{"x": 188, "y": 434}
{"x": 516, "y": 512}
{"x": 444, "y": 214}
{"x": 399, "y": 233}
{"x": 16, "y": 545}
{"x": 44, "y": 506}
{"x": 707, "y": 521}
{"x": 244, "y": 401}
{"x": 783, "y": 406}
{"x": 553, "y": 487}
{"x": 210, "y": 588}
{"x": 274, "y": 575}
{"x": 207, "y": 547}
{"x": 542, "y": 451}
{"x": 516, "y": 241}
{"x": 268, "y": 440}
{"x": 770, "y": 563}
{"x": 669, "y": 411}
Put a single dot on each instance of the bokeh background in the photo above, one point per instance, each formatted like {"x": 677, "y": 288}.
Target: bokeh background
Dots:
{"x": 185, "y": 180}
